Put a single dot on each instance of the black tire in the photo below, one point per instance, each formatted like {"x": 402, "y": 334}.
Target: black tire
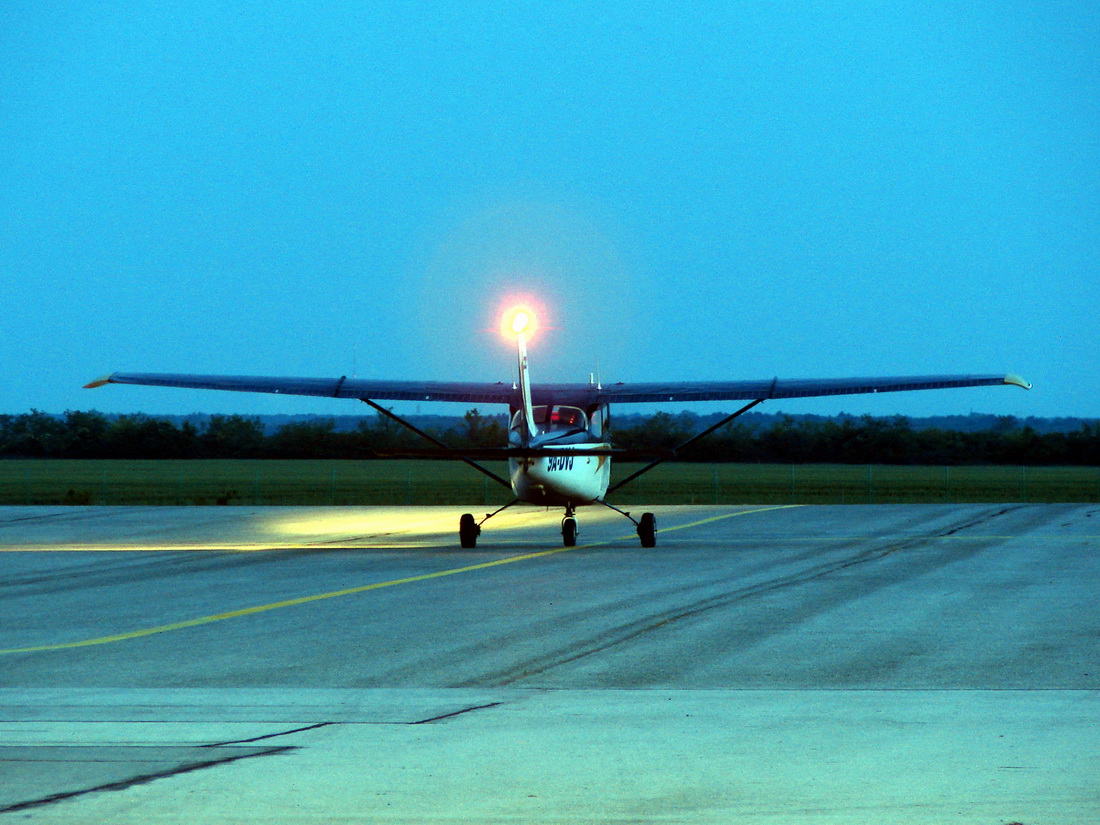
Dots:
{"x": 647, "y": 530}
{"x": 468, "y": 531}
{"x": 569, "y": 532}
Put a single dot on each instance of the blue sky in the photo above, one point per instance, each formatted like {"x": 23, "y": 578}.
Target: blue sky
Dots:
{"x": 689, "y": 190}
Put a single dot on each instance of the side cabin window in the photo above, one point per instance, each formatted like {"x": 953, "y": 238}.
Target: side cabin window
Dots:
{"x": 553, "y": 418}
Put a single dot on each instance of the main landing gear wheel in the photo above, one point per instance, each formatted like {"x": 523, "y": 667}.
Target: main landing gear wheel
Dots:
{"x": 569, "y": 531}
{"x": 468, "y": 531}
{"x": 647, "y": 530}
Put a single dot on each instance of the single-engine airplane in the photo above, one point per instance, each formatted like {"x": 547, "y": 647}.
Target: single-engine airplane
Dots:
{"x": 559, "y": 444}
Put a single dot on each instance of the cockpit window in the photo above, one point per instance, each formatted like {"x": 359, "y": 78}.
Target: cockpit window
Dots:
{"x": 568, "y": 417}
{"x": 553, "y": 418}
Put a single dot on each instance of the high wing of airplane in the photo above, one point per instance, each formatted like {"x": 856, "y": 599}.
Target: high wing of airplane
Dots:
{"x": 559, "y": 451}
{"x": 577, "y": 394}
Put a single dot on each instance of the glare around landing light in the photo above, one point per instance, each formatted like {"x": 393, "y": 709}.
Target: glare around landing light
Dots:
{"x": 374, "y": 521}
{"x": 421, "y": 526}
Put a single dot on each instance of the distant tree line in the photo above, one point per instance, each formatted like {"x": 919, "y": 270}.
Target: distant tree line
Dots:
{"x": 94, "y": 435}
{"x": 868, "y": 440}
{"x": 786, "y": 439}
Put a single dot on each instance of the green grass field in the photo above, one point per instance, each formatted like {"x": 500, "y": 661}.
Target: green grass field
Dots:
{"x": 46, "y": 481}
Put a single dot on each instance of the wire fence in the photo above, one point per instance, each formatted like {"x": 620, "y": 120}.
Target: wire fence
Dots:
{"x": 866, "y": 484}
{"x": 260, "y": 482}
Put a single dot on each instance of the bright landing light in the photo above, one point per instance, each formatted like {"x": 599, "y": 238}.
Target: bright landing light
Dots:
{"x": 519, "y": 320}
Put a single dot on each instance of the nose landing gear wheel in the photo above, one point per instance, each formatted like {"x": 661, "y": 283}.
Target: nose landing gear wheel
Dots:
{"x": 647, "y": 530}
{"x": 569, "y": 531}
{"x": 468, "y": 531}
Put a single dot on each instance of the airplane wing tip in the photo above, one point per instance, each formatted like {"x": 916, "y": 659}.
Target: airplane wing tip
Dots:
{"x": 99, "y": 382}
{"x": 1017, "y": 381}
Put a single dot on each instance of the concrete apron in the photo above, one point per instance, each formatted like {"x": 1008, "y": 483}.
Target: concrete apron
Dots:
{"x": 515, "y": 755}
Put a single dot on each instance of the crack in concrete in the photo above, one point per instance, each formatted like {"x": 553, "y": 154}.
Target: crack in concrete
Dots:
{"x": 141, "y": 779}
{"x": 267, "y": 736}
{"x": 454, "y": 713}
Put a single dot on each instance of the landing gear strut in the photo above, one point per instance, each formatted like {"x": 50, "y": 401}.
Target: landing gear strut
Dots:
{"x": 469, "y": 530}
{"x": 646, "y": 528}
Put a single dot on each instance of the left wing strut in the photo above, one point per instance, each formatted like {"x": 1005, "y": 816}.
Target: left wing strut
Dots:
{"x": 454, "y": 453}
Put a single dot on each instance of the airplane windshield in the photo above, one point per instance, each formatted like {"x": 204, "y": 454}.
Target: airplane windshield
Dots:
{"x": 568, "y": 417}
{"x": 553, "y": 418}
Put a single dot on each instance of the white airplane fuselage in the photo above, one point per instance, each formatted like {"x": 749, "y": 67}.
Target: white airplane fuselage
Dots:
{"x": 575, "y": 477}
